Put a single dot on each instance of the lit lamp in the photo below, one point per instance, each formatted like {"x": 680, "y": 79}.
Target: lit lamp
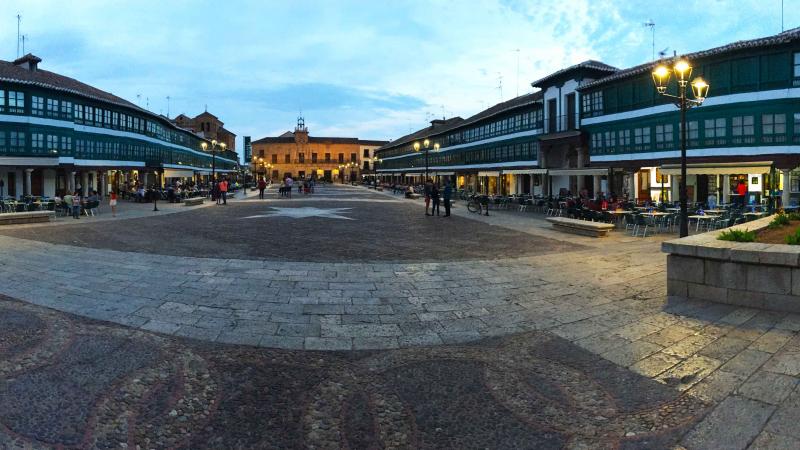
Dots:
{"x": 426, "y": 143}
{"x": 683, "y": 72}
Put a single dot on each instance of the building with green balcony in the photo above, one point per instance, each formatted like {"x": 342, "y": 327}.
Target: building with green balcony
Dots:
{"x": 494, "y": 151}
{"x": 747, "y": 130}
{"x": 58, "y": 134}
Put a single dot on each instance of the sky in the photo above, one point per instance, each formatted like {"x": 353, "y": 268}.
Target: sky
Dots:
{"x": 356, "y": 68}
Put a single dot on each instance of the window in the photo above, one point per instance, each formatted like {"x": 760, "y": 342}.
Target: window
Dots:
{"x": 797, "y": 69}
{"x": 115, "y": 119}
{"x": 327, "y": 157}
{"x": 287, "y": 158}
{"x": 366, "y": 153}
{"x": 313, "y": 157}
{"x": 66, "y": 143}
{"x": 52, "y": 107}
{"x": 16, "y": 140}
{"x": 611, "y": 140}
{"x": 592, "y": 104}
{"x": 715, "y": 131}
{"x": 66, "y": 110}
{"x": 773, "y": 128}
{"x": 341, "y": 157}
{"x": 641, "y": 138}
{"x": 301, "y": 157}
{"x": 624, "y": 137}
{"x": 366, "y": 165}
{"x": 16, "y": 102}
{"x": 37, "y": 105}
{"x": 796, "y": 127}
{"x": 663, "y": 136}
{"x": 275, "y": 159}
{"x": 2, "y": 140}
{"x": 107, "y": 118}
{"x": 37, "y": 141}
{"x": 261, "y": 153}
{"x": 597, "y": 142}
{"x": 353, "y": 157}
{"x": 52, "y": 143}
{"x": 743, "y": 129}
{"x": 88, "y": 114}
{"x": 2, "y": 100}
{"x": 78, "y": 113}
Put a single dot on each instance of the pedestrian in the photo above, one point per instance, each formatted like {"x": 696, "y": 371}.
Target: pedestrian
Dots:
{"x": 113, "y": 203}
{"x": 435, "y": 199}
{"x": 76, "y": 205}
{"x": 427, "y": 190}
{"x": 448, "y": 193}
{"x": 313, "y": 183}
{"x": 261, "y": 186}
{"x": 223, "y": 189}
{"x": 289, "y": 184}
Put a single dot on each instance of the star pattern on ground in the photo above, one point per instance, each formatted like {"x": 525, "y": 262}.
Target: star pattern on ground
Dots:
{"x": 303, "y": 212}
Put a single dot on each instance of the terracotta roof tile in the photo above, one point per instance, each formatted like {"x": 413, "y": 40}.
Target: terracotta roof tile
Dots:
{"x": 588, "y": 64}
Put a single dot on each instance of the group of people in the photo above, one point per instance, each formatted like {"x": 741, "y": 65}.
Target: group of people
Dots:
{"x": 285, "y": 189}
{"x": 73, "y": 202}
{"x": 219, "y": 191}
{"x": 434, "y": 196}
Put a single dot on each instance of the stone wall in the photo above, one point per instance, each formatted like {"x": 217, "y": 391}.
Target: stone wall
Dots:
{"x": 765, "y": 276}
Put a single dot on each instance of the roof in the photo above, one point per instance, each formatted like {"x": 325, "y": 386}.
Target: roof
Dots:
{"x": 9, "y": 72}
{"x": 777, "y": 39}
{"x": 225, "y": 130}
{"x": 206, "y": 113}
{"x": 585, "y": 65}
{"x": 372, "y": 142}
{"x": 284, "y": 139}
{"x": 458, "y": 122}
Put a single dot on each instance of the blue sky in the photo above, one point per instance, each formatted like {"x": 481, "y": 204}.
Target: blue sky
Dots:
{"x": 367, "y": 69}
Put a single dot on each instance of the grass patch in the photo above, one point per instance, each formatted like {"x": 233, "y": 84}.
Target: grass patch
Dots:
{"x": 738, "y": 236}
{"x": 780, "y": 220}
{"x": 793, "y": 239}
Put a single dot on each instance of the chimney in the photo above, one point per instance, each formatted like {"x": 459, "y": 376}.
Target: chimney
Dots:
{"x": 437, "y": 123}
{"x": 29, "y": 61}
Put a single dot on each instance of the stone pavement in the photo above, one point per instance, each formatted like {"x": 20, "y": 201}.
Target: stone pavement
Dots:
{"x": 604, "y": 296}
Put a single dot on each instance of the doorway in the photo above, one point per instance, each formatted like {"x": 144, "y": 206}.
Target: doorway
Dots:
{"x": 37, "y": 182}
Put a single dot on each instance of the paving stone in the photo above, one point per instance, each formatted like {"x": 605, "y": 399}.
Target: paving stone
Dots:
{"x": 689, "y": 372}
{"x": 787, "y": 416}
{"x": 770, "y": 441}
{"x": 772, "y": 341}
{"x": 716, "y": 432}
{"x": 715, "y": 387}
{"x": 328, "y": 343}
{"x": 655, "y": 364}
{"x": 724, "y": 348}
{"x": 768, "y": 387}
{"x": 629, "y": 354}
{"x": 786, "y": 361}
{"x": 746, "y": 362}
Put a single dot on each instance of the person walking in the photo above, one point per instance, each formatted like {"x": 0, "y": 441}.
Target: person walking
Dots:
{"x": 223, "y": 189}
{"x": 261, "y": 186}
{"x": 76, "y": 205}
{"x": 448, "y": 193}
{"x": 435, "y": 199}
{"x": 113, "y": 203}
{"x": 427, "y": 191}
{"x": 289, "y": 184}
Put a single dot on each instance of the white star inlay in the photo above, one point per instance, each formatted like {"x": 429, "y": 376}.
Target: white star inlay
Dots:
{"x": 303, "y": 212}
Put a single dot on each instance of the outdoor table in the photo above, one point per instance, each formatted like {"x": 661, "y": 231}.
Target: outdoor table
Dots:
{"x": 715, "y": 211}
{"x": 699, "y": 218}
{"x": 656, "y": 213}
{"x": 617, "y": 214}
{"x": 673, "y": 209}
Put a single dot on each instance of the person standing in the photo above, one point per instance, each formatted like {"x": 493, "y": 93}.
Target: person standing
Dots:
{"x": 448, "y": 193}
{"x": 261, "y": 186}
{"x": 113, "y": 203}
{"x": 223, "y": 189}
{"x": 76, "y": 205}
{"x": 427, "y": 191}
{"x": 741, "y": 189}
{"x": 289, "y": 184}
{"x": 435, "y": 199}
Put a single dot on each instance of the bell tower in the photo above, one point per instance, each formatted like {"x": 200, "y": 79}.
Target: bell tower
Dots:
{"x": 300, "y": 131}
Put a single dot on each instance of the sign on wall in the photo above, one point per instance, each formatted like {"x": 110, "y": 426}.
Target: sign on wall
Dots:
{"x": 248, "y": 150}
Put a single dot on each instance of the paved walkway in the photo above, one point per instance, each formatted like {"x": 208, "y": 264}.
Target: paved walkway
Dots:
{"x": 606, "y": 297}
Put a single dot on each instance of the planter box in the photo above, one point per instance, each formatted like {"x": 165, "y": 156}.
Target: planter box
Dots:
{"x": 765, "y": 276}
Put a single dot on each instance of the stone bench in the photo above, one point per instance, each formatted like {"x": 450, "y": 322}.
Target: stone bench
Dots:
{"x": 582, "y": 227}
{"x": 414, "y": 196}
{"x": 26, "y": 217}
{"x": 194, "y": 201}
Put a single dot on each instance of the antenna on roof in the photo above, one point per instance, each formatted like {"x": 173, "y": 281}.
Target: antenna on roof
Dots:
{"x": 19, "y": 19}
{"x": 500, "y": 85}
{"x": 517, "y": 72}
{"x": 147, "y": 103}
{"x": 443, "y": 116}
{"x": 168, "y": 107}
{"x": 23, "y": 44}
{"x": 652, "y": 25}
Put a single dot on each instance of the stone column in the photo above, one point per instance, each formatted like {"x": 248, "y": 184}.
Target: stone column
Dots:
{"x": 580, "y": 178}
{"x": 726, "y": 188}
{"x": 71, "y": 182}
{"x": 635, "y": 186}
{"x": 596, "y": 185}
{"x": 103, "y": 183}
{"x": 28, "y": 181}
{"x": 785, "y": 194}
{"x": 84, "y": 183}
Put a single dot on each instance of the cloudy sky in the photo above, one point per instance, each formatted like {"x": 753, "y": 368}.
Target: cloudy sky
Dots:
{"x": 359, "y": 68}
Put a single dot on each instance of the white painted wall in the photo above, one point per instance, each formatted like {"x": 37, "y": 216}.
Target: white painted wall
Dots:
{"x": 49, "y": 176}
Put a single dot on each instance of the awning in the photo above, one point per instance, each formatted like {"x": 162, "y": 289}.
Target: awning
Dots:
{"x": 579, "y": 172}
{"x": 488, "y": 174}
{"x": 718, "y": 168}
{"x": 178, "y": 173}
{"x": 443, "y": 174}
{"x": 414, "y": 174}
{"x": 524, "y": 171}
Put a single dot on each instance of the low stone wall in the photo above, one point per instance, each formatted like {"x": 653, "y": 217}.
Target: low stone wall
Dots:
{"x": 765, "y": 276}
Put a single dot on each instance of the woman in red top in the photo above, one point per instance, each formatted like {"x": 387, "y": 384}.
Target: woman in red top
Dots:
{"x": 113, "y": 203}
{"x": 741, "y": 189}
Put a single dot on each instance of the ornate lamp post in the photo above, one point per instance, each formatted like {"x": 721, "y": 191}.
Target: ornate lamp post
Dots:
{"x": 661, "y": 76}
{"x": 213, "y": 156}
{"x": 375, "y": 162}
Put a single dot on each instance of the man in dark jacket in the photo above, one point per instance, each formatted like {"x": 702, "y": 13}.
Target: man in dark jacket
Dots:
{"x": 448, "y": 192}
{"x": 428, "y": 190}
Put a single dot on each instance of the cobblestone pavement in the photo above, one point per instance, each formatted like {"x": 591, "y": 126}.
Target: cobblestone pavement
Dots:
{"x": 596, "y": 306}
{"x": 67, "y": 382}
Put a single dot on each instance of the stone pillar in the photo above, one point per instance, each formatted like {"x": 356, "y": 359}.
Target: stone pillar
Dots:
{"x": 84, "y": 183}
{"x": 596, "y": 185}
{"x": 71, "y": 182}
{"x": 785, "y": 194}
{"x": 726, "y": 189}
{"x": 28, "y": 181}
{"x": 580, "y": 178}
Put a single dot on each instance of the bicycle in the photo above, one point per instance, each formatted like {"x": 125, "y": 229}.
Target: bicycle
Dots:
{"x": 477, "y": 203}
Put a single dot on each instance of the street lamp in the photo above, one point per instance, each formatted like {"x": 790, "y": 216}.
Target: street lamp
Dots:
{"x": 214, "y": 143}
{"x": 661, "y": 76}
{"x": 426, "y": 144}
{"x": 375, "y": 162}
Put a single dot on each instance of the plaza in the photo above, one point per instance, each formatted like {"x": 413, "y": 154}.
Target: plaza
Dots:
{"x": 298, "y": 340}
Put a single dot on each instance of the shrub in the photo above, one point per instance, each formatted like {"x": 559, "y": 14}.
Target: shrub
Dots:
{"x": 793, "y": 216}
{"x": 738, "y": 236}
{"x": 780, "y": 220}
{"x": 793, "y": 239}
